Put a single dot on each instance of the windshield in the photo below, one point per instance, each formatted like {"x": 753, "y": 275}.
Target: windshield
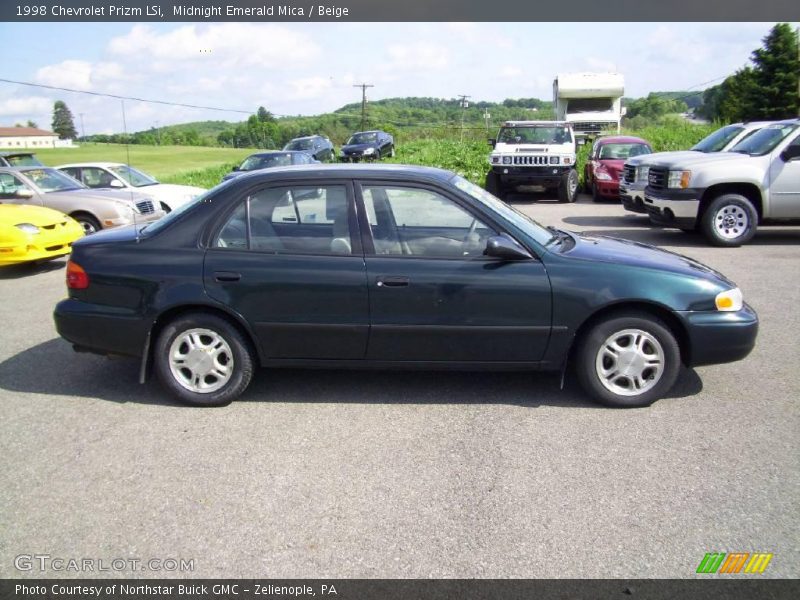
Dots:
{"x": 132, "y": 176}
{"x": 717, "y": 141}
{"x": 254, "y": 162}
{"x": 580, "y": 105}
{"x": 623, "y": 151}
{"x": 362, "y": 138}
{"x": 764, "y": 141}
{"x": 23, "y": 160}
{"x": 520, "y": 220}
{"x": 534, "y": 135}
{"x": 50, "y": 180}
{"x": 299, "y": 145}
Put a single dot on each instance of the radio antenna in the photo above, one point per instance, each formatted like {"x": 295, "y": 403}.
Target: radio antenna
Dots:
{"x": 128, "y": 157}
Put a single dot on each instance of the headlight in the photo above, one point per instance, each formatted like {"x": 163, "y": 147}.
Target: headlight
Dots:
{"x": 553, "y": 160}
{"x": 567, "y": 160}
{"x": 495, "y": 160}
{"x": 28, "y": 228}
{"x": 729, "y": 300}
{"x": 642, "y": 173}
{"x": 603, "y": 176}
{"x": 679, "y": 179}
{"x": 506, "y": 160}
{"x": 341, "y": 152}
{"x": 369, "y": 151}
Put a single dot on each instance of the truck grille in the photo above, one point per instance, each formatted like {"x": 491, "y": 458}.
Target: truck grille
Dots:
{"x": 530, "y": 160}
{"x": 592, "y": 126}
{"x": 629, "y": 175}
{"x": 657, "y": 178}
{"x": 145, "y": 207}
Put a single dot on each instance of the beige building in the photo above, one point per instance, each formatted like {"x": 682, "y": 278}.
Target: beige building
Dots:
{"x": 29, "y": 137}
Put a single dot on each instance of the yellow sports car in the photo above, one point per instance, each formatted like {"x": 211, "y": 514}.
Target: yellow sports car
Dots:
{"x": 30, "y": 233}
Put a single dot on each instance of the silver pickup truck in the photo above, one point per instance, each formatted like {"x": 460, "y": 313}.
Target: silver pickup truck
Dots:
{"x": 728, "y": 194}
{"x": 634, "y": 174}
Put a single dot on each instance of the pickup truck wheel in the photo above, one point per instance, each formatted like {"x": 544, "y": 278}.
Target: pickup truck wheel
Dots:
{"x": 568, "y": 190}
{"x": 729, "y": 221}
{"x": 628, "y": 361}
{"x": 203, "y": 360}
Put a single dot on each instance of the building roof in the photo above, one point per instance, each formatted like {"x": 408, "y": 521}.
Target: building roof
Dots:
{"x": 24, "y": 132}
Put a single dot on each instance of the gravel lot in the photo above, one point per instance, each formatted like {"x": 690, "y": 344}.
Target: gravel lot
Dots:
{"x": 373, "y": 474}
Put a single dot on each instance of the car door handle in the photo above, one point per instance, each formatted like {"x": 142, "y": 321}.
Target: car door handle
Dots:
{"x": 223, "y": 276}
{"x": 393, "y": 281}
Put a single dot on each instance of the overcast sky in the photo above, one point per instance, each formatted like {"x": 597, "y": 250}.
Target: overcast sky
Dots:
{"x": 310, "y": 68}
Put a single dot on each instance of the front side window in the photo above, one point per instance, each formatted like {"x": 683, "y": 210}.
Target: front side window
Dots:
{"x": 291, "y": 220}
{"x": 10, "y": 185}
{"x": 96, "y": 177}
{"x": 422, "y": 223}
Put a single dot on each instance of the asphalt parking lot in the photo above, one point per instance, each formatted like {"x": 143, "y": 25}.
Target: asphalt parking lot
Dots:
{"x": 374, "y": 474}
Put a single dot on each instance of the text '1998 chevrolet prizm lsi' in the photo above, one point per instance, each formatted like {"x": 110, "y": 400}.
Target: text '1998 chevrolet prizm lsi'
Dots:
{"x": 390, "y": 267}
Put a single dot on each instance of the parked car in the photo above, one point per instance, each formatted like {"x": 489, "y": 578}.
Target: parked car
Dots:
{"x": 268, "y": 160}
{"x": 727, "y": 195}
{"x": 367, "y": 145}
{"x": 35, "y": 233}
{"x": 93, "y": 209}
{"x": 19, "y": 159}
{"x": 604, "y": 169}
{"x": 107, "y": 175}
{"x": 634, "y": 179}
{"x": 318, "y": 146}
{"x": 391, "y": 266}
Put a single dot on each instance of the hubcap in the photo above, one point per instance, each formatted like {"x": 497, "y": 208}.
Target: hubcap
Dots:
{"x": 731, "y": 221}
{"x": 630, "y": 362}
{"x": 573, "y": 184}
{"x": 201, "y": 360}
{"x": 88, "y": 227}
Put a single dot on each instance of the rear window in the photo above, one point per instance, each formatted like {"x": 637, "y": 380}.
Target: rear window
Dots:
{"x": 23, "y": 160}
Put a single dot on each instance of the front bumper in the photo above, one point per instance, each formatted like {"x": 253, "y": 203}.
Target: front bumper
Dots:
{"x": 545, "y": 175}
{"x": 48, "y": 244}
{"x": 101, "y": 329}
{"x": 632, "y": 197}
{"x": 717, "y": 337}
{"x": 678, "y": 208}
{"x": 607, "y": 189}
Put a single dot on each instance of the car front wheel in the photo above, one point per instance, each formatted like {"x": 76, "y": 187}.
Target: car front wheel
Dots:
{"x": 628, "y": 361}
{"x": 729, "y": 221}
{"x": 203, "y": 360}
{"x": 568, "y": 190}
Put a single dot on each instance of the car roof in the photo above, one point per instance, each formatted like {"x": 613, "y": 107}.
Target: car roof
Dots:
{"x": 355, "y": 170}
{"x": 271, "y": 152}
{"x": 17, "y": 153}
{"x": 25, "y": 168}
{"x": 93, "y": 164}
{"x": 620, "y": 139}
{"x": 535, "y": 123}
{"x": 306, "y": 137}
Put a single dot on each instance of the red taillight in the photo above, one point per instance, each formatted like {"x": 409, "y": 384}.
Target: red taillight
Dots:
{"x": 77, "y": 279}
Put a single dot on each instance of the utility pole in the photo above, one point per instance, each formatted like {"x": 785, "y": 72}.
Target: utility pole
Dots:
{"x": 464, "y": 105}
{"x": 83, "y": 129}
{"x": 486, "y": 117}
{"x": 363, "y": 87}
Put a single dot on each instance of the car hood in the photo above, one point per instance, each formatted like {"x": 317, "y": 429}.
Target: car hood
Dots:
{"x": 649, "y": 159}
{"x": 14, "y": 214}
{"x": 699, "y": 159}
{"x": 619, "y": 251}
{"x": 358, "y": 147}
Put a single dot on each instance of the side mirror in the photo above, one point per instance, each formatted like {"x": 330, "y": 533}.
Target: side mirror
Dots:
{"x": 24, "y": 193}
{"x": 492, "y": 142}
{"x": 116, "y": 183}
{"x": 500, "y": 246}
{"x": 234, "y": 169}
{"x": 790, "y": 153}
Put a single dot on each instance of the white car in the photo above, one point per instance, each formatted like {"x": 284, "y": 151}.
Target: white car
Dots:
{"x": 124, "y": 177}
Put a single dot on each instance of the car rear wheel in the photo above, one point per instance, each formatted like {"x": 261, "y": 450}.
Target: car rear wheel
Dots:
{"x": 628, "y": 361}
{"x": 729, "y": 221}
{"x": 568, "y": 190}
{"x": 203, "y": 360}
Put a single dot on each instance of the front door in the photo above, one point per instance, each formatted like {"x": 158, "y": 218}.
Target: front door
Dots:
{"x": 434, "y": 296}
{"x": 289, "y": 260}
{"x": 784, "y": 189}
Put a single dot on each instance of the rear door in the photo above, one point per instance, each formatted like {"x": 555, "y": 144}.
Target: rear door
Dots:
{"x": 434, "y": 296}
{"x": 289, "y": 260}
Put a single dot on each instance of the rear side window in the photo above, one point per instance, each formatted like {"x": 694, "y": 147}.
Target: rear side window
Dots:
{"x": 291, "y": 220}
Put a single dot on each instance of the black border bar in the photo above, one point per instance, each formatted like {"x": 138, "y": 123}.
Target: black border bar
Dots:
{"x": 406, "y": 11}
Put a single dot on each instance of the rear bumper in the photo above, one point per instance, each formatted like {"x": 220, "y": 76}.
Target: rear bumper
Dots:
{"x": 720, "y": 337}
{"x": 101, "y": 329}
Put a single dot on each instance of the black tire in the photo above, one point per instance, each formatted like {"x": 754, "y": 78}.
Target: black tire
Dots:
{"x": 88, "y": 222}
{"x": 568, "y": 189}
{"x": 596, "y": 197}
{"x": 493, "y": 185}
{"x": 729, "y": 221}
{"x": 377, "y": 155}
{"x": 594, "y": 348}
{"x": 241, "y": 358}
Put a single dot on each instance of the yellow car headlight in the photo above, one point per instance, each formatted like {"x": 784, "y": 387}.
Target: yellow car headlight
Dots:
{"x": 729, "y": 300}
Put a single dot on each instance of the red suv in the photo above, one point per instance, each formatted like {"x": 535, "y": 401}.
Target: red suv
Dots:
{"x": 604, "y": 168}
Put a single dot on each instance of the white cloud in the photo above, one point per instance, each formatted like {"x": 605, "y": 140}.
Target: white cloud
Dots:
{"x": 511, "y": 72}
{"x": 81, "y": 74}
{"x": 422, "y": 56}
{"x": 310, "y": 87}
{"x": 25, "y": 107}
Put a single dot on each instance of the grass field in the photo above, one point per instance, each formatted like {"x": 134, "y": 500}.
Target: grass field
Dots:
{"x": 205, "y": 166}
